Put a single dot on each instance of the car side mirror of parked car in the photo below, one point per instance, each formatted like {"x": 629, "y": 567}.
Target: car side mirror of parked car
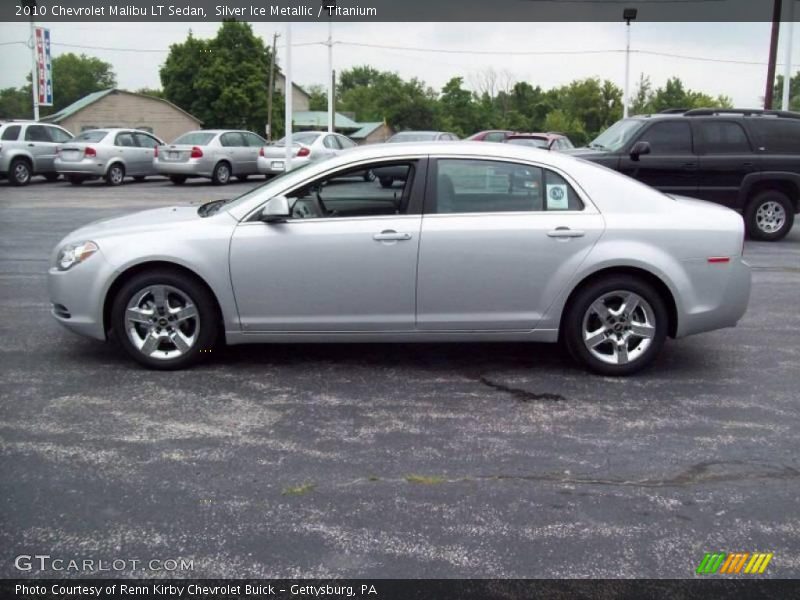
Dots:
{"x": 276, "y": 210}
{"x": 638, "y": 149}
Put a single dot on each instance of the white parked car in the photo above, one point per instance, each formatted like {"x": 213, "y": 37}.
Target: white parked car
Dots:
{"x": 483, "y": 242}
{"x": 307, "y": 146}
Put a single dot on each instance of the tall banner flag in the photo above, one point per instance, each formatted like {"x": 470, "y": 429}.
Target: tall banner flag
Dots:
{"x": 44, "y": 67}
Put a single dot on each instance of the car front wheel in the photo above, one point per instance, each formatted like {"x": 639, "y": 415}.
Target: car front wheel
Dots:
{"x": 616, "y": 325}
{"x": 165, "y": 320}
{"x": 769, "y": 216}
{"x": 20, "y": 172}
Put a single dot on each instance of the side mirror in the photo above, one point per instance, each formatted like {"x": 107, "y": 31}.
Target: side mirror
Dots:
{"x": 638, "y": 149}
{"x": 276, "y": 210}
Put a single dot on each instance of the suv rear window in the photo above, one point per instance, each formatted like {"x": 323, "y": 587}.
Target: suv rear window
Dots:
{"x": 779, "y": 136}
{"x": 10, "y": 133}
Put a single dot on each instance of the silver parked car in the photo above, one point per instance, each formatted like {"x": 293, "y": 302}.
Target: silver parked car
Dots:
{"x": 110, "y": 154}
{"x": 28, "y": 148}
{"x": 217, "y": 154}
{"x": 481, "y": 243}
{"x": 307, "y": 146}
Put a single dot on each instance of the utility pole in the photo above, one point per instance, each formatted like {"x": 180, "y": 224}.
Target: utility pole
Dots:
{"x": 271, "y": 85}
{"x": 333, "y": 87}
{"x": 330, "y": 77}
{"x": 787, "y": 63}
{"x": 629, "y": 14}
{"x": 773, "y": 53}
{"x": 289, "y": 147}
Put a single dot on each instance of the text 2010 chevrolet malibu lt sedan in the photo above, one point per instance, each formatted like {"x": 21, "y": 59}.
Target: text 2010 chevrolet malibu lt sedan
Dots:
{"x": 489, "y": 244}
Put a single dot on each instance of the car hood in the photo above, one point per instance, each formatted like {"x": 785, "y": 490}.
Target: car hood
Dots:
{"x": 146, "y": 220}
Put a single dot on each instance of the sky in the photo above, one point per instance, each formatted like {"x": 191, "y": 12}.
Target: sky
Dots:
{"x": 136, "y": 50}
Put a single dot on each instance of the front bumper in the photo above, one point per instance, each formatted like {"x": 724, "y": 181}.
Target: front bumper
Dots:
{"x": 77, "y": 295}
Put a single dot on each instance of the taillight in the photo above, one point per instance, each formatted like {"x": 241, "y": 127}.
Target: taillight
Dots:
{"x": 89, "y": 151}
{"x": 261, "y": 151}
{"x": 196, "y": 152}
{"x": 155, "y": 152}
{"x": 304, "y": 151}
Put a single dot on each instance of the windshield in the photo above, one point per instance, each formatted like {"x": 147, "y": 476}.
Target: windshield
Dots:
{"x": 258, "y": 190}
{"x": 616, "y": 136}
{"x": 90, "y": 136}
{"x": 302, "y": 138}
{"x": 535, "y": 142}
{"x": 413, "y": 136}
{"x": 195, "y": 138}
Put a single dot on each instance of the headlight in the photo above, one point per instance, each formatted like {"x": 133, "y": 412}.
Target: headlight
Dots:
{"x": 72, "y": 254}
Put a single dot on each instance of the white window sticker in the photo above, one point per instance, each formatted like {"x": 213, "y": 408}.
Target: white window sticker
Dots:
{"x": 557, "y": 198}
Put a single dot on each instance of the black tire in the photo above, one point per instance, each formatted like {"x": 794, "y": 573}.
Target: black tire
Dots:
{"x": 581, "y": 302}
{"x": 51, "y": 177}
{"x": 208, "y": 326}
{"x": 222, "y": 173}
{"x": 75, "y": 179}
{"x": 115, "y": 174}
{"x": 20, "y": 172}
{"x": 178, "y": 179}
{"x": 762, "y": 217}
{"x": 242, "y": 178}
{"x": 386, "y": 182}
{"x": 139, "y": 178}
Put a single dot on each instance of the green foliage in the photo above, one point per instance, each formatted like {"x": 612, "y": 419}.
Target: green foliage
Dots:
{"x": 156, "y": 93}
{"x": 319, "y": 97}
{"x": 794, "y": 92}
{"x": 16, "y": 103}
{"x": 672, "y": 95}
{"x": 223, "y": 81}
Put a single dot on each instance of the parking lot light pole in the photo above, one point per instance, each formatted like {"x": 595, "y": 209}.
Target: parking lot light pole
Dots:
{"x": 287, "y": 162}
{"x": 330, "y": 77}
{"x": 787, "y": 63}
{"x": 629, "y": 14}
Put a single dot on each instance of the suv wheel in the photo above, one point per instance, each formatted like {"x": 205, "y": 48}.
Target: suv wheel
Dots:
{"x": 20, "y": 172}
{"x": 115, "y": 174}
{"x": 616, "y": 325}
{"x": 164, "y": 320}
{"x": 769, "y": 216}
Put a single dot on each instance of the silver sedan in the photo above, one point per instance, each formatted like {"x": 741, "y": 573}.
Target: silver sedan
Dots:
{"x": 111, "y": 154}
{"x": 217, "y": 154}
{"x": 307, "y": 146}
{"x": 479, "y": 244}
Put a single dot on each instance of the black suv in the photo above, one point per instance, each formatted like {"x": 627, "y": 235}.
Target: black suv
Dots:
{"x": 748, "y": 160}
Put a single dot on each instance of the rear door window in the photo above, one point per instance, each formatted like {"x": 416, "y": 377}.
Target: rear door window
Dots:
{"x": 723, "y": 137}
{"x": 670, "y": 137}
{"x": 777, "y": 136}
{"x": 58, "y": 135}
{"x": 146, "y": 141}
{"x": 253, "y": 140}
{"x": 232, "y": 139}
{"x": 10, "y": 133}
{"x": 37, "y": 133}
{"x": 331, "y": 142}
{"x": 125, "y": 139}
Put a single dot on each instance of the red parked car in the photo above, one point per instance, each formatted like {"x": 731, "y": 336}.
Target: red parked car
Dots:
{"x": 548, "y": 141}
{"x": 490, "y": 135}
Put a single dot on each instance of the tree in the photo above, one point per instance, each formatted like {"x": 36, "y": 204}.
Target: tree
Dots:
{"x": 794, "y": 92}
{"x": 156, "y": 93}
{"x": 76, "y": 76}
{"x": 223, "y": 81}
{"x": 642, "y": 103}
{"x": 15, "y": 103}
{"x": 319, "y": 97}
{"x": 457, "y": 111}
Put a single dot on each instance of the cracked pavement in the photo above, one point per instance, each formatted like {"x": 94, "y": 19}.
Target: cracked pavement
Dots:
{"x": 422, "y": 461}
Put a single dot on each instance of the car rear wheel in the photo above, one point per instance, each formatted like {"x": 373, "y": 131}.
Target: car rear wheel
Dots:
{"x": 115, "y": 174}
{"x": 616, "y": 325}
{"x": 222, "y": 174}
{"x": 386, "y": 182}
{"x": 20, "y": 172}
{"x": 769, "y": 216}
{"x": 164, "y": 320}
{"x": 178, "y": 179}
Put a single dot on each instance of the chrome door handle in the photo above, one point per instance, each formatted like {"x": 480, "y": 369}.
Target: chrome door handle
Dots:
{"x": 390, "y": 235}
{"x": 565, "y": 232}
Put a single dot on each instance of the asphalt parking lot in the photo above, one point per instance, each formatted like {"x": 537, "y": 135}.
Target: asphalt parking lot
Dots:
{"x": 423, "y": 461}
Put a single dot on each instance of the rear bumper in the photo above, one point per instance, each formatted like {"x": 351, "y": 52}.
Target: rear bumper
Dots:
{"x": 719, "y": 296}
{"x": 265, "y": 164}
{"x": 82, "y": 167}
{"x": 191, "y": 168}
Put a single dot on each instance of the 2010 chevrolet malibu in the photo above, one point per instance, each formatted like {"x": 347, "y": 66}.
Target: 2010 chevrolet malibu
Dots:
{"x": 480, "y": 244}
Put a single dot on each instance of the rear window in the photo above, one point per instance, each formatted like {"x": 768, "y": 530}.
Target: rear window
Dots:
{"x": 195, "y": 138}
{"x": 535, "y": 142}
{"x": 90, "y": 136}
{"x": 778, "y": 136}
{"x": 10, "y": 133}
{"x": 302, "y": 138}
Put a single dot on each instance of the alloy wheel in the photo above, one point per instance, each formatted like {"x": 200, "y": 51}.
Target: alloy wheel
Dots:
{"x": 770, "y": 216}
{"x": 618, "y": 327}
{"x": 22, "y": 173}
{"x": 162, "y": 322}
